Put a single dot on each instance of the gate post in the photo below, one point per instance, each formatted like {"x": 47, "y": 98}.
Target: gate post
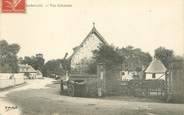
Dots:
{"x": 101, "y": 80}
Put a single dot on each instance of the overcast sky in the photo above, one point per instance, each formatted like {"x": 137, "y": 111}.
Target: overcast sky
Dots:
{"x": 145, "y": 24}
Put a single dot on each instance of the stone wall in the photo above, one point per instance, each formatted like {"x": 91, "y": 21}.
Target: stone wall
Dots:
{"x": 10, "y": 79}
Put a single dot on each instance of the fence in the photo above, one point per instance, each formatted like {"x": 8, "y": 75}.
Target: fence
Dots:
{"x": 10, "y": 79}
{"x": 144, "y": 88}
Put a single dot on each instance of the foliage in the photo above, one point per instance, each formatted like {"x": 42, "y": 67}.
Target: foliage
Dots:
{"x": 92, "y": 67}
{"x": 35, "y": 61}
{"x": 8, "y": 56}
{"x": 57, "y": 67}
{"x": 165, "y": 55}
{"x": 50, "y": 67}
{"x": 53, "y": 67}
{"x": 66, "y": 64}
{"x": 108, "y": 55}
{"x": 134, "y": 58}
{"x": 129, "y": 58}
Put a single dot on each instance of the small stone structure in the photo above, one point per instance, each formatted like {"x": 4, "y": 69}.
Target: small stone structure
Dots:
{"x": 103, "y": 83}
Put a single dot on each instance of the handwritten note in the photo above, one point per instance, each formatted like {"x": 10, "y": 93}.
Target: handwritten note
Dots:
{"x": 9, "y": 108}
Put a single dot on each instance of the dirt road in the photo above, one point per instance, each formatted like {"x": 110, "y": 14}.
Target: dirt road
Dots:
{"x": 41, "y": 97}
{"x": 8, "y": 108}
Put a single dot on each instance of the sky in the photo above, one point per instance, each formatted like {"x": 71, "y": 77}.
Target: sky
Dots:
{"x": 53, "y": 31}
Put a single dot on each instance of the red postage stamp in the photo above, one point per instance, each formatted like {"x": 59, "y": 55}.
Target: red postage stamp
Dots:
{"x": 13, "y": 6}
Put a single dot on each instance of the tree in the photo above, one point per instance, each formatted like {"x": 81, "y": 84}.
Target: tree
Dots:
{"x": 165, "y": 55}
{"x": 8, "y": 56}
{"x": 65, "y": 63}
{"x": 130, "y": 58}
{"x": 54, "y": 67}
{"x": 27, "y": 60}
{"x": 134, "y": 58}
{"x": 108, "y": 55}
{"x": 37, "y": 62}
{"x": 57, "y": 67}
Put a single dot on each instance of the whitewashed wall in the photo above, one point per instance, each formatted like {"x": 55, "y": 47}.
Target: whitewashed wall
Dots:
{"x": 5, "y": 80}
{"x": 157, "y": 76}
{"x": 39, "y": 76}
{"x": 86, "y": 52}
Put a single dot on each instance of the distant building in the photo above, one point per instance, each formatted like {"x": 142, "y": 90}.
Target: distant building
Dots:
{"x": 83, "y": 53}
{"x": 28, "y": 70}
{"x": 20, "y": 59}
{"x": 39, "y": 55}
{"x": 156, "y": 70}
{"x": 39, "y": 74}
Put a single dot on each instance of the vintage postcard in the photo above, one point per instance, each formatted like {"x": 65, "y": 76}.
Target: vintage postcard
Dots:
{"x": 91, "y": 57}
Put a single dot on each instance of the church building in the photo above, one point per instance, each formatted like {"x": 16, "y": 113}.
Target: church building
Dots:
{"x": 82, "y": 54}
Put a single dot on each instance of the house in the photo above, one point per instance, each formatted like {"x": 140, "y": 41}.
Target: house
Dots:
{"x": 155, "y": 70}
{"x": 28, "y": 71}
{"x": 39, "y": 74}
{"x": 82, "y": 54}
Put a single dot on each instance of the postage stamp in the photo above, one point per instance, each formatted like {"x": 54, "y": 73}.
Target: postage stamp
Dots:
{"x": 13, "y": 6}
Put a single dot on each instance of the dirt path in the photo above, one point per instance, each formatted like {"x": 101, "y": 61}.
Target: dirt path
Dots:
{"x": 41, "y": 97}
{"x": 48, "y": 101}
{"x": 7, "y": 108}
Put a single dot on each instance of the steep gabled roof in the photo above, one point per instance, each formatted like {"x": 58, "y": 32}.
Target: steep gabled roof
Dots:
{"x": 156, "y": 66}
{"x": 39, "y": 72}
{"x": 31, "y": 69}
{"x": 27, "y": 68}
{"x": 93, "y": 31}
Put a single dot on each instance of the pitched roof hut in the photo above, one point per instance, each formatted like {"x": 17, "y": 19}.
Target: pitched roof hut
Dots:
{"x": 156, "y": 66}
{"x": 156, "y": 69}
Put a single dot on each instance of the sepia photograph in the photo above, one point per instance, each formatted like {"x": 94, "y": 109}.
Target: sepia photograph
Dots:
{"x": 91, "y": 57}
